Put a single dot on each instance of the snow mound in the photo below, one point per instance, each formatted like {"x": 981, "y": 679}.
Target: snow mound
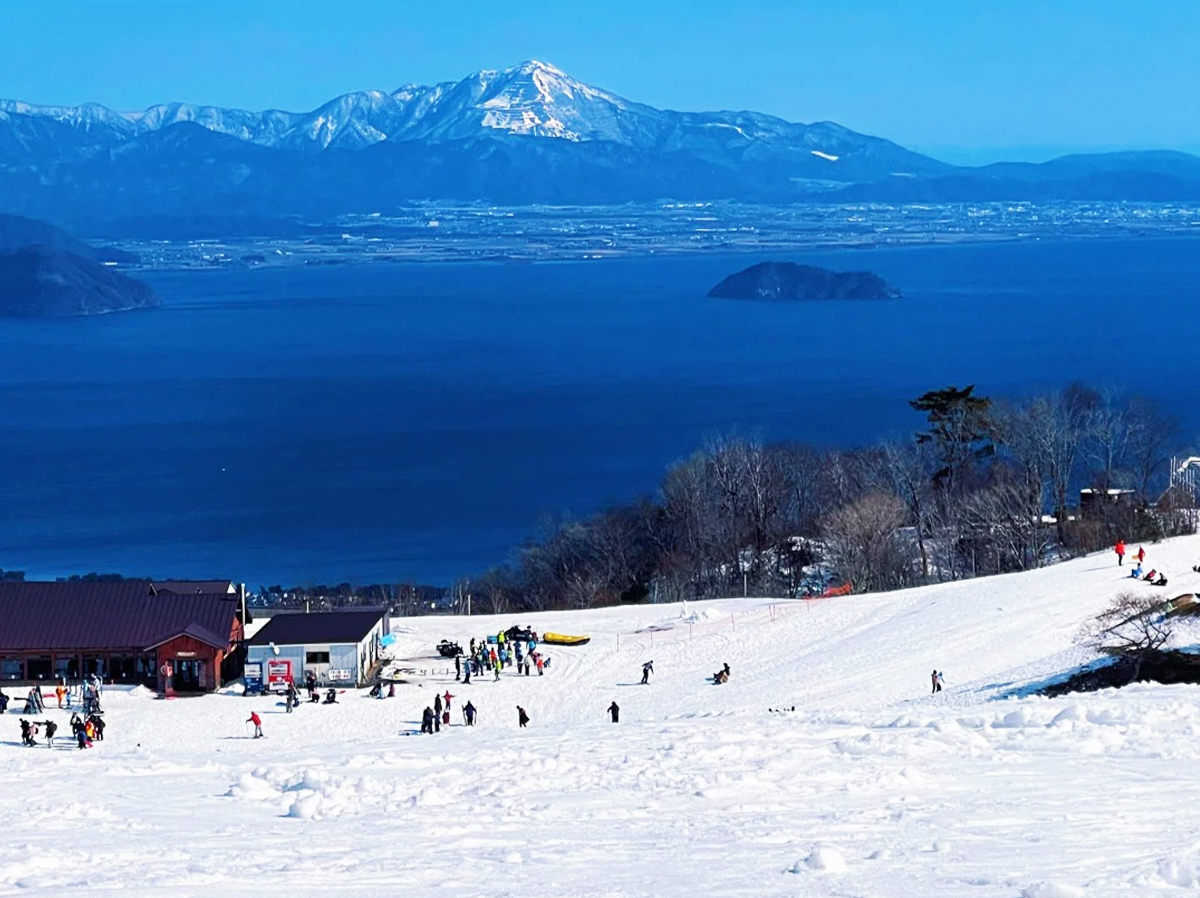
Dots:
{"x": 1052, "y": 890}
{"x": 824, "y": 859}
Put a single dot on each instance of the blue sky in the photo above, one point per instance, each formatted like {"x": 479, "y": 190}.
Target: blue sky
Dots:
{"x": 967, "y": 79}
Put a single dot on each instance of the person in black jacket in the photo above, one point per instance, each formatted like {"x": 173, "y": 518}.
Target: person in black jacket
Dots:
{"x": 615, "y": 712}
{"x": 647, "y": 669}
{"x": 469, "y": 714}
{"x": 427, "y": 720}
{"x": 522, "y": 717}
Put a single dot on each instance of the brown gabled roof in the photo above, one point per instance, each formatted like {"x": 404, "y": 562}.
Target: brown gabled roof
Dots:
{"x": 91, "y": 616}
{"x": 184, "y": 587}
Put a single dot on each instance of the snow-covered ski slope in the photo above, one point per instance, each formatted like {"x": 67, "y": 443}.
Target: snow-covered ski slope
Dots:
{"x": 870, "y": 787}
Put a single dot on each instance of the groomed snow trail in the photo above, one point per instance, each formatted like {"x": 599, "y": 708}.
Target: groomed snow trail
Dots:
{"x": 869, "y": 787}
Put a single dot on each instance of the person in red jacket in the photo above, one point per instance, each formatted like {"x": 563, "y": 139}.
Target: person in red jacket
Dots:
{"x": 1119, "y": 548}
{"x": 257, "y": 721}
{"x": 1141, "y": 554}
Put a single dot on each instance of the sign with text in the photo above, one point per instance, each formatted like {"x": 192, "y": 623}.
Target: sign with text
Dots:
{"x": 340, "y": 674}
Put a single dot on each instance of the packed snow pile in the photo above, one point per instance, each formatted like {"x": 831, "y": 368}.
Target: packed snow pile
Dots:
{"x": 824, "y": 765}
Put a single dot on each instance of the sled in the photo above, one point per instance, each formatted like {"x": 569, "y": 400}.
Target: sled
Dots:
{"x": 563, "y": 639}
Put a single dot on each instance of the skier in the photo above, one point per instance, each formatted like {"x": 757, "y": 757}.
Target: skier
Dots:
{"x": 522, "y": 717}
{"x": 1119, "y": 548}
{"x": 615, "y": 712}
{"x": 257, "y": 721}
{"x": 647, "y": 669}
{"x": 469, "y": 714}
{"x": 497, "y": 669}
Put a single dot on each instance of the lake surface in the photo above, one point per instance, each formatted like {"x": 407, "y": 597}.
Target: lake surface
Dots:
{"x": 397, "y": 422}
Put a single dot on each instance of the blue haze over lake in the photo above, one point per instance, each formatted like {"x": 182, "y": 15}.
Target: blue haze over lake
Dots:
{"x": 389, "y": 422}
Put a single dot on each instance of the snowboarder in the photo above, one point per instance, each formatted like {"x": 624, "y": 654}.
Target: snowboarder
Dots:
{"x": 469, "y": 714}
{"x": 427, "y": 720}
{"x": 522, "y": 717}
{"x": 722, "y": 675}
{"x": 330, "y": 696}
{"x": 647, "y": 669}
{"x": 937, "y": 681}
{"x": 1119, "y": 548}
{"x": 615, "y": 712}
{"x": 257, "y": 721}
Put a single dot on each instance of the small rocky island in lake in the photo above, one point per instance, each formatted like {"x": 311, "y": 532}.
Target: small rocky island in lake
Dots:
{"x": 41, "y": 281}
{"x": 787, "y": 280}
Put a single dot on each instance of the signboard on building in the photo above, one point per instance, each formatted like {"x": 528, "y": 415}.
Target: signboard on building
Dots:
{"x": 253, "y": 673}
{"x": 339, "y": 674}
{"x": 279, "y": 673}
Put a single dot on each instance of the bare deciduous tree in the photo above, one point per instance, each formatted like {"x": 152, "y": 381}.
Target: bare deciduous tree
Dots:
{"x": 1132, "y": 627}
{"x": 862, "y": 542}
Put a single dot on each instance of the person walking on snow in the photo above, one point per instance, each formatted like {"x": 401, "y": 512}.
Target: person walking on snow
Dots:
{"x": 522, "y": 717}
{"x": 937, "y": 681}
{"x": 469, "y": 714}
{"x": 1119, "y": 548}
{"x": 615, "y": 712}
{"x": 257, "y": 721}
{"x": 437, "y": 705}
{"x": 647, "y": 669}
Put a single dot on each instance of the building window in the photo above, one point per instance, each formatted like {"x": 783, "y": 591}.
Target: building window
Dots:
{"x": 38, "y": 667}
{"x": 316, "y": 657}
{"x": 12, "y": 669}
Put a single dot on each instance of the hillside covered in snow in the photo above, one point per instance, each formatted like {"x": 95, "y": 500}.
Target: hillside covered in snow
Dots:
{"x": 526, "y": 134}
{"x": 824, "y": 766}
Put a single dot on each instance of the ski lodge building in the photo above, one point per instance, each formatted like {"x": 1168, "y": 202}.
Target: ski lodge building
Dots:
{"x": 127, "y": 631}
{"x": 340, "y": 647}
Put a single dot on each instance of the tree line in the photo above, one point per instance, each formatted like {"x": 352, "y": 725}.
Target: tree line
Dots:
{"x": 984, "y": 487}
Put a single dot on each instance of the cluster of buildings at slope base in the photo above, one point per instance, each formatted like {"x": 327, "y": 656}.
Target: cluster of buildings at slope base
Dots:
{"x": 176, "y": 636}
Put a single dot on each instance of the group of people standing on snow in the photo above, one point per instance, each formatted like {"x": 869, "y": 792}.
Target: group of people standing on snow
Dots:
{"x": 433, "y": 718}
{"x": 84, "y": 729}
{"x": 1153, "y": 577}
{"x": 486, "y": 655}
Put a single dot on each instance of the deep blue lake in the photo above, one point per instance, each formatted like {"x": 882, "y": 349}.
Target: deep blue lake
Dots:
{"x": 391, "y": 422}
